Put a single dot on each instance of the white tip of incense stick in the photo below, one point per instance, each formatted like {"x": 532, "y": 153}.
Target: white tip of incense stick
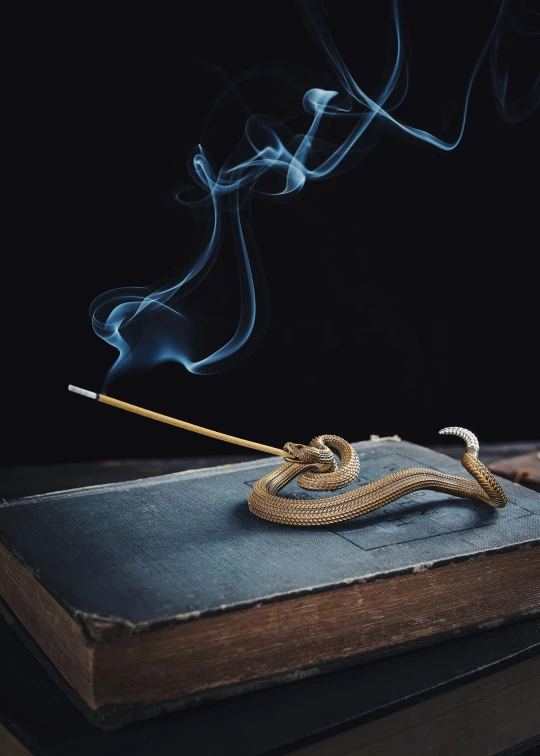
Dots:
{"x": 82, "y": 392}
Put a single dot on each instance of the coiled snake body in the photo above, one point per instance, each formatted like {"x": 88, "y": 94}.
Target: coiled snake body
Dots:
{"x": 316, "y": 469}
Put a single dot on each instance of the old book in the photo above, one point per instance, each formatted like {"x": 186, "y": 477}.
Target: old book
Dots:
{"x": 156, "y": 594}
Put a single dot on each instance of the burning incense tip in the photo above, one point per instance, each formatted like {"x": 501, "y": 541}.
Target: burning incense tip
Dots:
{"x": 178, "y": 423}
{"x": 82, "y": 392}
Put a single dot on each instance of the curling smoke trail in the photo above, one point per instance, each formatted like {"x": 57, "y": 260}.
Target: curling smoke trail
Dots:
{"x": 147, "y": 325}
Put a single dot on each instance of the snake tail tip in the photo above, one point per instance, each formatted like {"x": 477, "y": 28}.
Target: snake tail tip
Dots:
{"x": 467, "y": 435}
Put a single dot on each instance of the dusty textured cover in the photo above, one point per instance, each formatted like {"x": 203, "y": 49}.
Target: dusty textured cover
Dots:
{"x": 182, "y": 546}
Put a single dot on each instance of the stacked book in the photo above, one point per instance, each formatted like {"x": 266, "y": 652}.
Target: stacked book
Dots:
{"x": 145, "y": 597}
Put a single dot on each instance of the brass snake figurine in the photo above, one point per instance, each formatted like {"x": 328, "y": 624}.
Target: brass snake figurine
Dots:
{"x": 317, "y": 470}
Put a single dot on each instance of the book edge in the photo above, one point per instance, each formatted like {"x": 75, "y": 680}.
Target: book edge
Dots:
{"x": 253, "y": 625}
{"x": 112, "y": 718}
{"x": 107, "y": 628}
{"x": 85, "y": 649}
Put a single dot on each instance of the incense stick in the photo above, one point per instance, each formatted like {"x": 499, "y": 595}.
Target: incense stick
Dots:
{"x": 178, "y": 423}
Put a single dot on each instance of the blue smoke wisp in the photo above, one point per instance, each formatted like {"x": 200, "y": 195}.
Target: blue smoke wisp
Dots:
{"x": 146, "y": 324}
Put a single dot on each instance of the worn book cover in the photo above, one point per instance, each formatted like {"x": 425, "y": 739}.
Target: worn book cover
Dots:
{"x": 155, "y": 594}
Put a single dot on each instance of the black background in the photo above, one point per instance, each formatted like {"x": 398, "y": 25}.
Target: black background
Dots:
{"x": 403, "y": 293}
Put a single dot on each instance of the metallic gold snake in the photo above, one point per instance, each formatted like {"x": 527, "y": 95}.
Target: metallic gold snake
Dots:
{"x": 317, "y": 470}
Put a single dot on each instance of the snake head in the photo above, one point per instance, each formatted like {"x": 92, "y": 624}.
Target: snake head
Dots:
{"x": 309, "y": 455}
{"x": 294, "y": 450}
{"x": 300, "y": 453}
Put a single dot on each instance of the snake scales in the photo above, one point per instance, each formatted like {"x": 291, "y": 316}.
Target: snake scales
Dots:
{"x": 317, "y": 470}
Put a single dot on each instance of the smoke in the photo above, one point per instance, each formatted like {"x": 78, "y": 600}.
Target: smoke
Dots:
{"x": 153, "y": 324}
